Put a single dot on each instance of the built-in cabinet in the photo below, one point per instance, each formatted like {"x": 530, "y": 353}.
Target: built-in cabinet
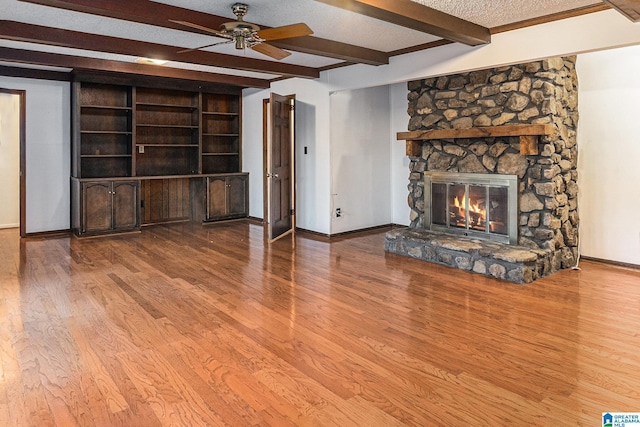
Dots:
{"x": 180, "y": 148}
{"x": 106, "y": 206}
{"x": 227, "y": 196}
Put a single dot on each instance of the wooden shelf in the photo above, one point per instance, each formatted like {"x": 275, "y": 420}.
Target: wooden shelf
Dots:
{"x": 214, "y": 113}
{"x": 528, "y": 136}
{"x": 166, "y": 126}
{"x": 88, "y": 156}
{"x": 220, "y": 154}
{"x": 168, "y": 145}
{"x": 168, "y": 106}
{"x": 106, "y": 107}
{"x": 222, "y": 134}
{"x": 106, "y": 132}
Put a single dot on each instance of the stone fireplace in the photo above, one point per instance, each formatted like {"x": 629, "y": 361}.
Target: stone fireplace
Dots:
{"x": 515, "y": 122}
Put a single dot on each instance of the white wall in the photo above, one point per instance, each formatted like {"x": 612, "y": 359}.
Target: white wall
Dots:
{"x": 252, "y": 146}
{"x": 609, "y": 154}
{"x": 360, "y": 176}
{"x": 47, "y": 152}
{"x": 10, "y": 160}
{"x": 313, "y": 209}
{"x": 398, "y": 160}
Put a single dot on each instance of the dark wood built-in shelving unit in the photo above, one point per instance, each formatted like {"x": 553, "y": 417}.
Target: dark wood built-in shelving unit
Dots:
{"x": 220, "y": 133}
{"x": 171, "y": 145}
{"x": 102, "y": 131}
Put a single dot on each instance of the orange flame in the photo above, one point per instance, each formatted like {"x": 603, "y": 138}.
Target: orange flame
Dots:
{"x": 472, "y": 207}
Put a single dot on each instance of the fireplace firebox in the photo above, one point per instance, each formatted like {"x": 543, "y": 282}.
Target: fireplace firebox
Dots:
{"x": 483, "y": 206}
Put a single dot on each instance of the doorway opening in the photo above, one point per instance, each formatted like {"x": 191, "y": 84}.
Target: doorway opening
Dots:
{"x": 13, "y": 158}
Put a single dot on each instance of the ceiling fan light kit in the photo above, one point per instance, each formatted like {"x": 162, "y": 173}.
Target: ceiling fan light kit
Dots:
{"x": 247, "y": 35}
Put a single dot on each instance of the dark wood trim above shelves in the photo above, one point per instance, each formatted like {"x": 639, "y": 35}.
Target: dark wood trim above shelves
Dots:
{"x": 34, "y": 73}
{"x": 526, "y": 132}
{"x": 126, "y": 72}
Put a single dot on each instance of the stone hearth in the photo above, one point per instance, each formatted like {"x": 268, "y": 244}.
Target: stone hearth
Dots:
{"x": 537, "y": 93}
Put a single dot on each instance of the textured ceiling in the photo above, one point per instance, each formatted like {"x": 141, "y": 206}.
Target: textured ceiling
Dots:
{"x": 327, "y": 22}
{"x": 493, "y": 13}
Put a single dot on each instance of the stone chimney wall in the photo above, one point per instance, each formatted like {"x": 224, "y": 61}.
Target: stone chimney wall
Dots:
{"x": 540, "y": 92}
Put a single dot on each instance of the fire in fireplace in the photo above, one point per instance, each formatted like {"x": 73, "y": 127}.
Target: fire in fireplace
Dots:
{"x": 474, "y": 205}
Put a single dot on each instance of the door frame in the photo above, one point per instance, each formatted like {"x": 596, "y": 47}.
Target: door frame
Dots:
{"x": 266, "y": 133}
{"x": 22, "y": 94}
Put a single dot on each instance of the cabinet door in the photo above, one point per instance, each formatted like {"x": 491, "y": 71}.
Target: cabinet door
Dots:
{"x": 237, "y": 195}
{"x": 216, "y": 197}
{"x": 125, "y": 205}
{"x": 97, "y": 206}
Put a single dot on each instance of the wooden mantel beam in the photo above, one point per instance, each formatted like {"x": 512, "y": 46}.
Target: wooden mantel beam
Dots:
{"x": 527, "y": 134}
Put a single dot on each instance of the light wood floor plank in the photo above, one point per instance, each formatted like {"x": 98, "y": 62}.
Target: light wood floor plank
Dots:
{"x": 190, "y": 325}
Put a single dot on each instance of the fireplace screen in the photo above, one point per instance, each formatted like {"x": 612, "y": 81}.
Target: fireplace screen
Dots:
{"x": 474, "y": 205}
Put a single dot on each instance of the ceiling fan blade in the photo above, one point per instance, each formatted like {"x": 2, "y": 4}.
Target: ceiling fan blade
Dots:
{"x": 285, "y": 32}
{"x": 270, "y": 50}
{"x": 204, "y": 47}
{"x": 201, "y": 28}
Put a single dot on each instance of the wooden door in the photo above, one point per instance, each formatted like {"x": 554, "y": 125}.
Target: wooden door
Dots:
{"x": 279, "y": 167}
{"x": 237, "y": 195}
{"x": 216, "y": 197}
{"x": 97, "y": 214}
{"x": 125, "y": 205}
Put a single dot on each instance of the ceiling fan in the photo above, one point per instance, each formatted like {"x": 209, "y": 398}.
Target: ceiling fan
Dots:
{"x": 247, "y": 35}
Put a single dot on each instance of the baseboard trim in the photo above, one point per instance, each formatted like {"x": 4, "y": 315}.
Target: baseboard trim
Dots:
{"x": 610, "y": 262}
{"x": 48, "y": 234}
{"x": 350, "y": 233}
{"x": 110, "y": 234}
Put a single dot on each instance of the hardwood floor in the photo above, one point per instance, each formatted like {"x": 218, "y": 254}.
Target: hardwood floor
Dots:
{"x": 190, "y": 325}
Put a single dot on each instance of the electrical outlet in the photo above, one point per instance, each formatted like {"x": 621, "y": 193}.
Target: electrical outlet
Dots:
{"x": 338, "y": 212}
{"x": 141, "y": 149}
